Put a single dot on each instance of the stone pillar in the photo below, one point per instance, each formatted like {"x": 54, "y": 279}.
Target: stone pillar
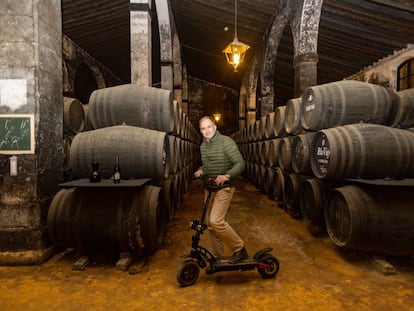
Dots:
{"x": 178, "y": 96}
{"x": 305, "y": 74}
{"x": 30, "y": 84}
{"x": 267, "y": 105}
{"x": 140, "y": 28}
{"x": 167, "y": 76}
{"x": 166, "y": 54}
{"x": 184, "y": 94}
{"x": 178, "y": 72}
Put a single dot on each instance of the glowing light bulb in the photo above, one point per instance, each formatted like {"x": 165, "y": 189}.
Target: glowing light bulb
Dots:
{"x": 236, "y": 58}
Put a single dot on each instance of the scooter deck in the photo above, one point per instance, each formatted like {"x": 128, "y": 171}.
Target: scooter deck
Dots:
{"x": 225, "y": 265}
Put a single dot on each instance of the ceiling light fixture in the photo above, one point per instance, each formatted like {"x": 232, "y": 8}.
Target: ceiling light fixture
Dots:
{"x": 236, "y": 50}
{"x": 217, "y": 116}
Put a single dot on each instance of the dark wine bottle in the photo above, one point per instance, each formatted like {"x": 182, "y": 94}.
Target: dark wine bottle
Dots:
{"x": 117, "y": 171}
{"x": 95, "y": 175}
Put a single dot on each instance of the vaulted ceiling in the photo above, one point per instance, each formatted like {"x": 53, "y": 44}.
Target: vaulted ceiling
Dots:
{"x": 353, "y": 34}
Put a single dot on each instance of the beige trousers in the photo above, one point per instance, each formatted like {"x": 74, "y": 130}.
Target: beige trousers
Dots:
{"x": 219, "y": 229}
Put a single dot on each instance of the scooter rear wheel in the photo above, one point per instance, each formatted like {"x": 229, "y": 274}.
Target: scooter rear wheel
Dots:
{"x": 188, "y": 273}
{"x": 271, "y": 272}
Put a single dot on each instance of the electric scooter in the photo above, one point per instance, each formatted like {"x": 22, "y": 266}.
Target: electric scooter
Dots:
{"x": 188, "y": 272}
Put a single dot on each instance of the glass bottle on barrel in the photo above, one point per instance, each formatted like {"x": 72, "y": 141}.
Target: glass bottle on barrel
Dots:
{"x": 117, "y": 171}
{"x": 95, "y": 176}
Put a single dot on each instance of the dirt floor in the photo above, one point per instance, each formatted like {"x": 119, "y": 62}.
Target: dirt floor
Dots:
{"x": 314, "y": 275}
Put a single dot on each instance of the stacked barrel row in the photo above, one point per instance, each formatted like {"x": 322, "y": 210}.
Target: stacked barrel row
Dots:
{"x": 75, "y": 120}
{"x": 153, "y": 138}
{"x": 346, "y": 168}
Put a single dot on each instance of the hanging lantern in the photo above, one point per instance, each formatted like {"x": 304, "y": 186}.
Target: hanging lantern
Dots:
{"x": 236, "y": 50}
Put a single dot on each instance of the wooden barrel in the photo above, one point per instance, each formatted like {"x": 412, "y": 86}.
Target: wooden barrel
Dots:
{"x": 256, "y": 178}
{"x": 153, "y": 217}
{"x": 279, "y": 184}
{"x": 243, "y": 150}
{"x": 186, "y": 130}
{"x": 279, "y": 121}
{"x": 184, "y": 182}
{"x": 285, "y": 153}
{"x": 270, "y": 125}
{"x": 247, "y": 152}
{"x": 363, "y": 151}
{"x": 292, "y": 189}
{"x": 262, "y": 178}
{"x": 133, "y": 104}
{"x": 180, "y": 153}
{"x": 257, "y": 131}
{"x": 268, "y": 181}
{"x": 262, "y": 128}
{"x": 167, "y": 197}
{"x": 180, "y": 121}
{"x": 73, "y": 116}
{"x": 173, "y": 154}
{"x": 111, "y": 221}
{"x": 176, "y": 118}
{"x": 189, "y": 147}
{"x": 253, "y": 173}
{"x": 264, "y": 151}
{"x": 88, "y": 124}
{"x": 292, "y": 116}
{"x": 405, "y": 109}
{"x": 177, "y": 189}
{"x": 183, "y": 154}
{"x": 313, "y": 198}
{"x": 250, "y": 132}
{"x": 346, "y": 102}
{"x": 142, "y": 153}
{"x": 255, "y": 152}
{"x": 67, "y": 141}
{"x": 273, "y": 157}
{"x": 247, "y": 173}
{"x": 245, "y": 135}
{"x": 60, "y": 213}
{"x": 301, "y": 150}
{"x": 372, "y": 218}
{"x": 240, "y": 136}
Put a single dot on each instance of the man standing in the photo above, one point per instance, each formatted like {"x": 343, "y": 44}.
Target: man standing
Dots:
{"x": 221, "y": 160}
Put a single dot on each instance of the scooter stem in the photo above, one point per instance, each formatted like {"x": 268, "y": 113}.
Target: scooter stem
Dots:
{"x": 203, "y": 215}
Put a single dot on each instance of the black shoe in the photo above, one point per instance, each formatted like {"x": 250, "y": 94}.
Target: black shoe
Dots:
{"x": 239, "y": 256}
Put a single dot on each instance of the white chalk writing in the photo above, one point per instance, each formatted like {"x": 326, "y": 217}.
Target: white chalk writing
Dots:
{"x": 14, "y": 136}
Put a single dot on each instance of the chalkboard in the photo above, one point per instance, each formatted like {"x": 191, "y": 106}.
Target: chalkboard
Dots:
{"x": 16, "y": 133}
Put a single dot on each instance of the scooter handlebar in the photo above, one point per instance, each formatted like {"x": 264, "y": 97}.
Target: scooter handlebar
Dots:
{"x": 210, "y": 183}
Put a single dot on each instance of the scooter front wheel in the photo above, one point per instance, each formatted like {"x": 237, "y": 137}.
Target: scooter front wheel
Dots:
{"x": 188, "y": 273}
{"x": 272, "y": 267}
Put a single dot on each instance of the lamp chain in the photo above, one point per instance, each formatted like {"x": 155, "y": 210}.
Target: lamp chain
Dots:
{"x": 235, "y": 18}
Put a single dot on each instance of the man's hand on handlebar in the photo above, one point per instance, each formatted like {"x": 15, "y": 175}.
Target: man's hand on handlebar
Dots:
{"x": 219, "y": 182}
{"x": 198, "y": 173}
{"x": 221, "y": 179}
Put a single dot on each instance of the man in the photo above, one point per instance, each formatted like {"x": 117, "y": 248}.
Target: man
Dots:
{"x": 221, "y": 160}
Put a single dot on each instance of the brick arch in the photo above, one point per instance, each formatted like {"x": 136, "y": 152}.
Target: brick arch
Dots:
{"x": 303, "y": 17}
{"x": 73, "y": 71}
{"x": 274, "y": 35}
{"x": 305, "y": 27}
{"x": 84, "y": 83}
